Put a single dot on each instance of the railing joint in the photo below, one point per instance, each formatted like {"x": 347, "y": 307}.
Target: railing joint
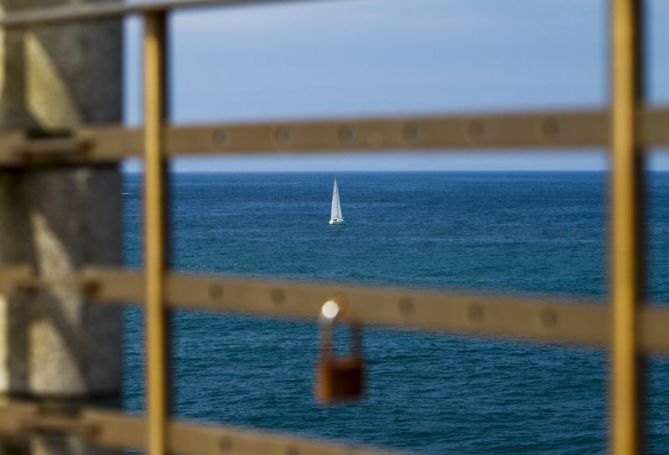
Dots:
{"x": 50, "y": 146}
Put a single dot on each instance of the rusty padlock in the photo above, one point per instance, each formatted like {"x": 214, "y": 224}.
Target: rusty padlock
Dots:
{"x": 338, "y": 378}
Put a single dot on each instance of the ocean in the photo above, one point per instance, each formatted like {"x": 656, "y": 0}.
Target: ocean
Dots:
{"x": 531, "y": 232}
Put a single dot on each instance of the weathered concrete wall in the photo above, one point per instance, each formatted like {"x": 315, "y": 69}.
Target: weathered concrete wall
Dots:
{"x": 52, "y": 345}
{"x": 60, "y": 76}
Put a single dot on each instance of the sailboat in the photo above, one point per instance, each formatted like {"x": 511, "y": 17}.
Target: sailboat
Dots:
{"x": 335, "y": 212}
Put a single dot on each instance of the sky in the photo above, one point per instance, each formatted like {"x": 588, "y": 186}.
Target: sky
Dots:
{"x": 337, "y": 58}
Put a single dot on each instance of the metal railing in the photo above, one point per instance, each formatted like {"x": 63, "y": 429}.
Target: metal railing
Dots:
{"x": 625, "y": 325}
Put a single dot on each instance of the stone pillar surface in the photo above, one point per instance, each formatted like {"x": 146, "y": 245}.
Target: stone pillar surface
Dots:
{"x": 54, "y": 347}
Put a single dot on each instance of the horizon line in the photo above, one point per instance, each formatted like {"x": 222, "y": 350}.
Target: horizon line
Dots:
{"x": 394, "y": 171}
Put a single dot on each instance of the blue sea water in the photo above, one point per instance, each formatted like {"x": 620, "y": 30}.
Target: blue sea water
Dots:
{"x": 539, "y": 233}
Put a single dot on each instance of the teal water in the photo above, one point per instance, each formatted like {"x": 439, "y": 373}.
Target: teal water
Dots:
{"x": 511, "y": 232}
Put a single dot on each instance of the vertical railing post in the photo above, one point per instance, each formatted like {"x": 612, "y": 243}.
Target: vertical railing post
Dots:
{"x": 156, "y": 231}
{"x": 627, "y": 226}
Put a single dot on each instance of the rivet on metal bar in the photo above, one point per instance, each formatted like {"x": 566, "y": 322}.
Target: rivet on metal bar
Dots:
{"x": 411, "y": 132}
{"x": 215, "y": 291}
{"x": 220, "y": 138}
{"x": 27, "y": 286}
{"x": 475, "y": 312}
{"x": 278, "y": 296}
{"x": 405, "y": 306}
{"x": 548, "y": 318}
{"x": 346, "y": 134}
{"x": 282, "y": 136}
{"x": 476, "y": 129}
{"x": 550, "y": 128}
{"x": 225, "y": 444}
{"x": 90, "y": 287}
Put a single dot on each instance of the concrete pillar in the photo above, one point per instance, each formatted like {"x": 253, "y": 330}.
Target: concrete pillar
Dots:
{"x": 53, "y": 346}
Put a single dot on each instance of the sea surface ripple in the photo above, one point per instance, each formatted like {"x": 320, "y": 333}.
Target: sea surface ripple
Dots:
{"x": 538, "y": 233}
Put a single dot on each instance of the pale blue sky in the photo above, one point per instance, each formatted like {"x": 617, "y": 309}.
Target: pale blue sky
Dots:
{"x": 383, "y": 57}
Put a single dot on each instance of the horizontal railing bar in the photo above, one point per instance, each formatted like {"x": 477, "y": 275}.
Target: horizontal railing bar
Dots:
{"x": 535, "y": 130}
{"x": 476, "y": 314}
{"x": 511, "y": 130}
{"x": 483, "y": 315}
{"x": 582, "y": 322}
{"x": 16, "y": 278}
{"x": 35, "y": 17}
{"x": 118, "y": 430}
{"x": 578, "y": 129}
{"x": 550, "y": 130}
{"x": 576, "y": 322}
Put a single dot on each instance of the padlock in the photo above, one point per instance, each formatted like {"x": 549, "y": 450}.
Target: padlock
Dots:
{"x": 338, "y": 378}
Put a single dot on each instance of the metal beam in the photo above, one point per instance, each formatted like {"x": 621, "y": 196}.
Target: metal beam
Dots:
{"x": 578, "y": 131}
{"x": 156, "y": 231}
{"x": 533, "y": 318}
{"x": 116, "y": 430}
{"x": 40, "y": 17}
{"x": 476, "y": 314}
{"x": 627, "y": 221}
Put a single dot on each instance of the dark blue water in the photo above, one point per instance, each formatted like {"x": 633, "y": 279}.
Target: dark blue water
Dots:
{"x": 511, "y": 232}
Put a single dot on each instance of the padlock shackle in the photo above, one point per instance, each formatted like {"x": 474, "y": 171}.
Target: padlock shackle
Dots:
{"x": 327, "y": 318}
{"x": 331, "y": 311}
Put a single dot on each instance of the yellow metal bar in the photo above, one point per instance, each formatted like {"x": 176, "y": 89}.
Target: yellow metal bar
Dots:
{"x": 627, "y": 228}
{"x": 155, "y": 231}
{"x": 551, "y": 132}
{"x": 117, "y": 430}
{"x": 64, "y": 14}
{"x": 541, "y": 318}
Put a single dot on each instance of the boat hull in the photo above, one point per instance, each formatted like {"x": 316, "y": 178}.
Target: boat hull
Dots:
{"x": 336, "y": 221}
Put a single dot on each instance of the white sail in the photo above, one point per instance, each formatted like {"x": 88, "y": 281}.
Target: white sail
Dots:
{"x": 335, "y": 212}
